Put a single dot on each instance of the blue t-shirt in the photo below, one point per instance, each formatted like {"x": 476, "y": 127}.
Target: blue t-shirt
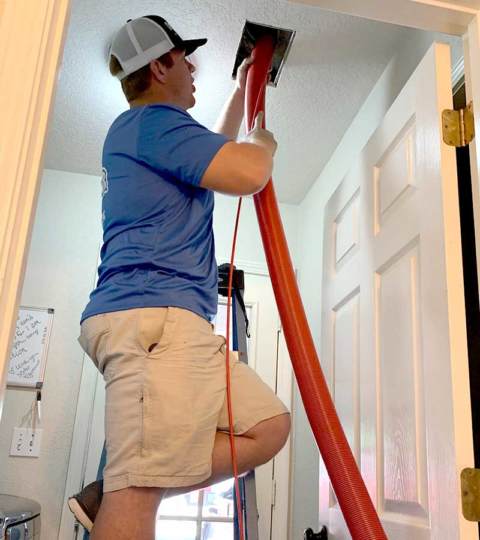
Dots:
{"x": 158, "y": 245}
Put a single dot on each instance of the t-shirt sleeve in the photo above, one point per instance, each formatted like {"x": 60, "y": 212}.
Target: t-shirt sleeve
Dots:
{"x": 173, "y": 143}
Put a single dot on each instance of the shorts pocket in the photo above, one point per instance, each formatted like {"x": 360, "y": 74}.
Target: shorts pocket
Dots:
{"x": 93, "y": 338}
{"x": 154, "y": 327}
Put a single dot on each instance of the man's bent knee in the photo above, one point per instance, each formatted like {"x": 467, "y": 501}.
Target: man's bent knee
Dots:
{"x": 283, "y": 426}
{"x": 271, "y": 435}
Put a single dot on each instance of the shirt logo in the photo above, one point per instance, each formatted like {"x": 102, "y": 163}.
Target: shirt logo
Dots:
{"x": 104, "y": 181}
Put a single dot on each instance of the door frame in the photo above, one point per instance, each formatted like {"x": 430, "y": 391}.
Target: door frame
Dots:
{"x": 28, "y": 88}
{"x": 449, "y": 17}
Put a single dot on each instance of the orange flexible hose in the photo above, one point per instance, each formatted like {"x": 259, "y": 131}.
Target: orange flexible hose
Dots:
{"x": 353, "y": 497}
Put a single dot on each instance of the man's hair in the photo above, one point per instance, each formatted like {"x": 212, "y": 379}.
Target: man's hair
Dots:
{"x": 135, "y": 84}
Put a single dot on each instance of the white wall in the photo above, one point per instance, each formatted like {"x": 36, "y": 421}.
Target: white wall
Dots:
{"x": 60, "y": 273}
{"x": 310, "y": 250}
{"x": 249, "y": 247}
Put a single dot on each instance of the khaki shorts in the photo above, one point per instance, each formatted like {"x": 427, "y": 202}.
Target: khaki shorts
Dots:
{"x": 164, "y": 372}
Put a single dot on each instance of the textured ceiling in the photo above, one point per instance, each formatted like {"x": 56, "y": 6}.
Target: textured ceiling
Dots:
{"x": 334, "y": 62}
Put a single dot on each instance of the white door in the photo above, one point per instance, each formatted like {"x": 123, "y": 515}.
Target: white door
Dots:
{"x": 268, "y": 357}
{"x": 393, "y": 327}
{"x": 272, "y": 364}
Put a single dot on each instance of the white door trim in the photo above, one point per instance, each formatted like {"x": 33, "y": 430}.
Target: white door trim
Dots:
{"x": 31, "y": 41}
{"x": 282, "y": 481}
{"x": 471, "y": 42}
{"x": 449, "y": 17}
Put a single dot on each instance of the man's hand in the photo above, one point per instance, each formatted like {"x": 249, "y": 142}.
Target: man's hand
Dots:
{"x": 261, "y": 137}
{"x": 242, "y": 73}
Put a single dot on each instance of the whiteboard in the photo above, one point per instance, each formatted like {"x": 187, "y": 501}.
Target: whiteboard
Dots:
{"x": 30, "y": 346}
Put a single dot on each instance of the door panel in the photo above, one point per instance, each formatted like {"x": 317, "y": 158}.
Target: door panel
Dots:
{"x": 263, "y": 358}
{"x": 394, "y": 340}
{"x": 346, "y": 368}
{"x": 341, "y": 330}
{"x": 403, "y": 476}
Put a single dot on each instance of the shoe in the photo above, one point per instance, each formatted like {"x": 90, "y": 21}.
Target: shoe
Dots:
{"x": 85, "y": 504}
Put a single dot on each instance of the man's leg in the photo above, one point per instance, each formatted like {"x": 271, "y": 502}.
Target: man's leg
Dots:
{"x": 127, "y": 513}
{"x": 254, "y": 448}
{"x": 130, "y": 513}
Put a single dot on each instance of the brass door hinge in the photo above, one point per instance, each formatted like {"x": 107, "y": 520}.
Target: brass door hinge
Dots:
{"x": 470, "y": 485}
{"x": 458, "y": 126}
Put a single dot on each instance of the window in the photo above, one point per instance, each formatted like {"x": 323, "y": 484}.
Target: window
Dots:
{"x": 200, "y": 515}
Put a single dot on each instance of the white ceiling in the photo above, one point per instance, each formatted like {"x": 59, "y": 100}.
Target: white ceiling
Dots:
{"x": 334, "y": 62}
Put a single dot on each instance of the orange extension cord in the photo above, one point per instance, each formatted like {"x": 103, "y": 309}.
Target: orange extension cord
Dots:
{"x": 233, "y": 451}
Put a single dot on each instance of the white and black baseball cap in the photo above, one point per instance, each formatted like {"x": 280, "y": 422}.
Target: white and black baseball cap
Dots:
{"x": 147, "y": 38}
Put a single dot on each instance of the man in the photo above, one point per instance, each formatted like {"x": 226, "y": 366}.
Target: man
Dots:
{"x": 147, "y": 325}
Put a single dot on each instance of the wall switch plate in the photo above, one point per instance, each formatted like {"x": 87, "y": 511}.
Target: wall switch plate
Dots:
{"x": 26, "y": 442}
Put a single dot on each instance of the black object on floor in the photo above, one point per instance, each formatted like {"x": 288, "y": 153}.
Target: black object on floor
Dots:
{"x": 310, "y": 535}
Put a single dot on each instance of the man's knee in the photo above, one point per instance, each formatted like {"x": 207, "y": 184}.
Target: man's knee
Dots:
{"x": 283, "y": 428}
{"x": 271, "y": 435}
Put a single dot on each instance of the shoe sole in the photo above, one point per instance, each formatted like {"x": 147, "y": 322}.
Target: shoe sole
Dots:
{"x": 80, "y": 514}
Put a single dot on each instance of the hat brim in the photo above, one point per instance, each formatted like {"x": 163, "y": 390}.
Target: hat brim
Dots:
{"x": 191, "y": 45}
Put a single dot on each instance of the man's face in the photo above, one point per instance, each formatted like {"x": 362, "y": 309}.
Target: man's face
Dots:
{"x": 180, "y": 79}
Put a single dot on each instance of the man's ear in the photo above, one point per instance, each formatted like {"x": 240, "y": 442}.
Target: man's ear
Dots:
{"x": 159, "y": 71}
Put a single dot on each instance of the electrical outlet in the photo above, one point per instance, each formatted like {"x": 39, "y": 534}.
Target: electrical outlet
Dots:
{"x": 26, "y": 442}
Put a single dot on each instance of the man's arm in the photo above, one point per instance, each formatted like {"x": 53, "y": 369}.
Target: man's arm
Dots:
{"x": 231, "y": 116}
{"x": 228, "y": 123}
{"x": 242, "y": 168}
{"x": 238, "y": 169}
